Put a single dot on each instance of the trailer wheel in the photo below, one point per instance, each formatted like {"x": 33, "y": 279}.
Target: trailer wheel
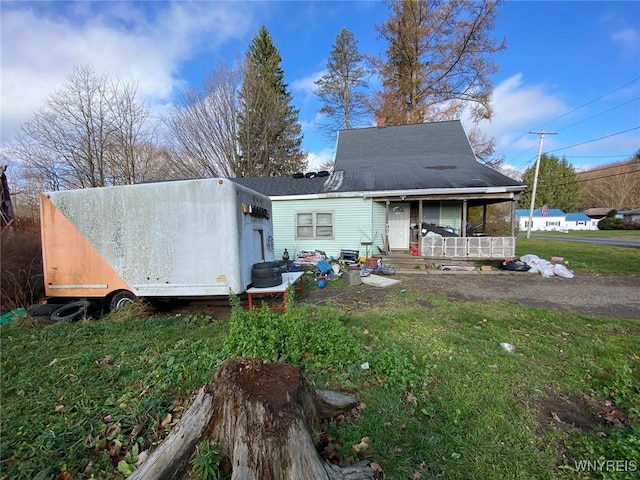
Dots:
{"x": 121, "y": 299}
{"x": 71, "y": 311}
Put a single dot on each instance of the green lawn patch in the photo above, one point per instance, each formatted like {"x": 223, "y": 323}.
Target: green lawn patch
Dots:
{"x": 594, "y": 258}
{"x": 439, "y": 397}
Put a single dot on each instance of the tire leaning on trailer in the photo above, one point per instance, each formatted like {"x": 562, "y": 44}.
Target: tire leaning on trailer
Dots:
{"x": 71, "y": 312}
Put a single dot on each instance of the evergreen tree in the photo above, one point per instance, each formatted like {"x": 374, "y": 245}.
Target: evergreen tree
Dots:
{"x": 341, "y": 89}
{"x": 558, "y": 185}
{"x": 269, "y": 136}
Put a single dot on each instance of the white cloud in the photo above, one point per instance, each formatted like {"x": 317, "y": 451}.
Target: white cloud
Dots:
{"x": 628, "y": 39}
{"x": 316, "y": 160}
{"x": 518, "y": 108}
{"x": 40, "y": 48}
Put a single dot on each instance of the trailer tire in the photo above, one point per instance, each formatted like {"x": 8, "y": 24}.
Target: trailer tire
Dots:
{"x": 120, "y": 299}
{"x": 71, "y": 312}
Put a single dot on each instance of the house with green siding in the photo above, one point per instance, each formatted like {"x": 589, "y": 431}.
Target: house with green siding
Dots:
{"x": 392, "y": 187}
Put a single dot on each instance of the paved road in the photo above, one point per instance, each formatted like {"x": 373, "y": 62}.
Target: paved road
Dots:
{"x": 631, "y": 242}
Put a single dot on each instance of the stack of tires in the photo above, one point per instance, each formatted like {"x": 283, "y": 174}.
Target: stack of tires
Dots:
{"x": 266, "y": 274}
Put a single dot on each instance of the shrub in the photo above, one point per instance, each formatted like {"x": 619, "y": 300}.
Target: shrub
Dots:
{"x": 21, "y": 271}
{"x": 609, "y": 223}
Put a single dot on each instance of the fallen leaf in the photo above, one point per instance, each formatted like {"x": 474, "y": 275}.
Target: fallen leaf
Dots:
{"x": 52, "y": 362}
{"x": 363, "y": 445}
{"x": 375, "y": 467}
{"x": 59, "y": 409}
{"x": 166, "y": 421}
{"x": 88, "y": 469}
{"x": 65, "y": 476}
{"x": 142, "y": 457}
{"x": 108, "y": 360}
{"x": 416, "y": 475}
{"x": 411, "y": 399}
{"x": 556, "y": 418}
{"x": 136, "y": 431}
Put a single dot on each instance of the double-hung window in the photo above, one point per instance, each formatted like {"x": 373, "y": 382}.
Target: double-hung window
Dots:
{"x": 314, "y": 225}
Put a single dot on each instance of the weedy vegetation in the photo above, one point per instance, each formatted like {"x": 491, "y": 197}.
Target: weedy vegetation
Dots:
{"x": 439, "y": 397}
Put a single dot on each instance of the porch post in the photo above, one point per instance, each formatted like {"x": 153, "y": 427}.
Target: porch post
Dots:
{"x": 513, "y": 218}
{"x": 484, "y": 218}
{"x": 420, "y": 226}
{"x": 465, "y": 219}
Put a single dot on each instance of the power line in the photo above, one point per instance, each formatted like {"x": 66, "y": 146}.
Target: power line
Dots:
{"x": 598, "y": 114}
{"x": 594, "y": 140}
{"x": 594, "y": 100}
{"x": 582, "y": 180}
{"x": 567, "y": 113}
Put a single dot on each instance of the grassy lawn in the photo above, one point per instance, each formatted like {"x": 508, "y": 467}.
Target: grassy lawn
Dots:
{"x": 592, "y": 258}
{"x": 608, "y": 234}
{"x": 441, "y": 398}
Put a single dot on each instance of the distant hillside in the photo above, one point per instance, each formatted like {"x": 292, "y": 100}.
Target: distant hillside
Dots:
{"x": 613, "y": 185}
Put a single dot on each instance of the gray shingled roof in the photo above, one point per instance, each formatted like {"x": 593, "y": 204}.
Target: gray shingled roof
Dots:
{"x": 281, "y": 186}
{"x": 396, "y": 158}
{"x": 407, "y": 157}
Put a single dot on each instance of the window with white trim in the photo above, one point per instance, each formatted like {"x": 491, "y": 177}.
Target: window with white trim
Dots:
{"x": 314, "y": 225}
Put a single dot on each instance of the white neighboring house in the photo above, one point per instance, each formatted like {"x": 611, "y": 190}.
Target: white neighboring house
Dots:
{"x": 580, "y": 221}
{"x": 554, "y": 220}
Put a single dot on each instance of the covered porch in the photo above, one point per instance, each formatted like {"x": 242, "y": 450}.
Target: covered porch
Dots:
{"x": 452, "y": 227}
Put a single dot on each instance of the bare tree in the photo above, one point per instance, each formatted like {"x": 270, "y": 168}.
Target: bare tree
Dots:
{"x": 87, "y": 134}
{"x": 438, "y": 60}
{"x": 204, "y": 125}
{"x": 616, "y": 185}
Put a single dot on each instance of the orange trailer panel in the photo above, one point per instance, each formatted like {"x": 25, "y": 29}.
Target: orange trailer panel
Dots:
{"x": 72, "y": 266}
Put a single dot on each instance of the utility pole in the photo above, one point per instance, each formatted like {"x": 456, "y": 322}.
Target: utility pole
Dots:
{"x": 535, "y": 178}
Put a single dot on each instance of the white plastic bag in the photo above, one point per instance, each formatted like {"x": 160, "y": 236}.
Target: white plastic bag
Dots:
{"x": 532, "y": 261}
{"x": 562, "y": 271}
{"x": 545, "y": 268}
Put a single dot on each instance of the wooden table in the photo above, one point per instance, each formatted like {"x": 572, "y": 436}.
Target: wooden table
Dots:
{"x": 282, "y": 290}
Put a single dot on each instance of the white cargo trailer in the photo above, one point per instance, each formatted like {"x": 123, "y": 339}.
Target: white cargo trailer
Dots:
{"x": 188, "y": 238}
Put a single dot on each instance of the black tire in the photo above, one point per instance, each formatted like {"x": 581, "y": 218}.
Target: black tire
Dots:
{"x": 267, "y": 282}
{"x": 120, "y": 299}
{"x": 272, "y": 272}
{"x": 266, "y": 265}
{"x": 266, "y": 274}
{"x": 44, "y": 310}
{"x": 71, "y": 312}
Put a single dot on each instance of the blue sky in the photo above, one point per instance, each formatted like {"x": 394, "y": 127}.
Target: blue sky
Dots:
{"x": 570, "y": 67}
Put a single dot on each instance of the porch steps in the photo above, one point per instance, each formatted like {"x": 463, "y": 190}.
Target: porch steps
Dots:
{"x": 406, "y": 263}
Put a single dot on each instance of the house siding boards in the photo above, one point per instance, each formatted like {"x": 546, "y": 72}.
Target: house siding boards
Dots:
{"x": 356, "y": 220}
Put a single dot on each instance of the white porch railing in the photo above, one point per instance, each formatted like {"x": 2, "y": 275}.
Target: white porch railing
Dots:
{"x": 468, "y": 247}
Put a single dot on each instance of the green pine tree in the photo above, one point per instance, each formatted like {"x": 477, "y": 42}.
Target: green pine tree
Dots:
{"x": 270, "y": 135}
{"x": 341, "y": 89}
{"x": 558, "y": 185}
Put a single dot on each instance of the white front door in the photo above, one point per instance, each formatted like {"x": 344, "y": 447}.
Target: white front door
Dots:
{"x": 399, "y": 227}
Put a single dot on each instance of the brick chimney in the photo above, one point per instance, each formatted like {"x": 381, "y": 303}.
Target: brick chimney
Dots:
{"x": 382, "y": 122}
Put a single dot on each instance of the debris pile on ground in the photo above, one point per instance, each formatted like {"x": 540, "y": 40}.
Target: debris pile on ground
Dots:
{"x": 546, "y": 268}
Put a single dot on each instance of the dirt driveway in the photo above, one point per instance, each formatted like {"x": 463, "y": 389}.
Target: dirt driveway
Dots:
{"x": 606, "y": 295}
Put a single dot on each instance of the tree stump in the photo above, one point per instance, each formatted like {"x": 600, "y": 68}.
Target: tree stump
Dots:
{"x": 266, "y": 419}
